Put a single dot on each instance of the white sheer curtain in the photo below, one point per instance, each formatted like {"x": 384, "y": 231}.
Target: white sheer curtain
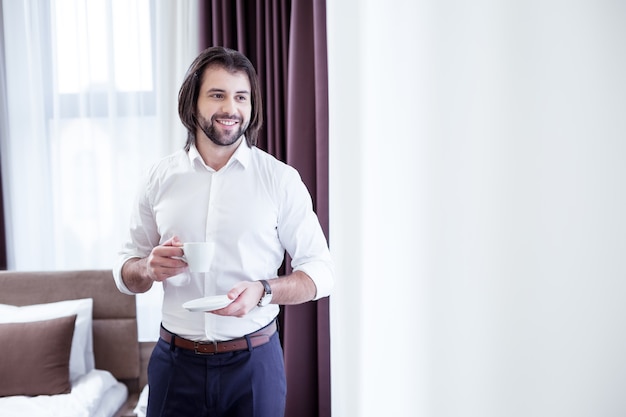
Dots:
{"x": 92, "y": 87}
{"x": 477, "y": 207}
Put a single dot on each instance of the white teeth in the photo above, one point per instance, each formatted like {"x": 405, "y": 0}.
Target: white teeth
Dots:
{"x": 227, "y": 122}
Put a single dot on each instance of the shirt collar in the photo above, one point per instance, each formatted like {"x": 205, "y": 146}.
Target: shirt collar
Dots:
{"x": 241, "y": 155}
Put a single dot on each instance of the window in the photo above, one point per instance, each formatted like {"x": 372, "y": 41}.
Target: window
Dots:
{"x": 93, "y": 54}
{"x": 92, "y": 98}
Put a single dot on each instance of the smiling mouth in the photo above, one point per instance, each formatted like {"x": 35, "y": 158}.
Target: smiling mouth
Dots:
{"x": 227, "y": 122}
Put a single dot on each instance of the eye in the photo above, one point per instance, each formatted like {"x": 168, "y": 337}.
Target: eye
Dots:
{"x": 217, "y": 95}
{"x": 242, "y": 98}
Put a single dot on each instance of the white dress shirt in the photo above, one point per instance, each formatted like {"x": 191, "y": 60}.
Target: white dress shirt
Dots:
{"x": 254, "y": 209}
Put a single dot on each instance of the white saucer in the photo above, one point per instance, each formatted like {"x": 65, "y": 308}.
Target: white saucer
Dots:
{"x": 208, "y": 303}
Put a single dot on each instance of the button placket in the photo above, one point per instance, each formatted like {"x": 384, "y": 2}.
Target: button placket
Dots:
{"x": 210, "y": 283}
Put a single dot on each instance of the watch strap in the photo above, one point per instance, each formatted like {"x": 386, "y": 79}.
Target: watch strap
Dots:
{"x": 267, "y": 294}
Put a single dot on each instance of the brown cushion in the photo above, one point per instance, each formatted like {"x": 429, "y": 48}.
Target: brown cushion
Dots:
{"x": 35, "y": 357}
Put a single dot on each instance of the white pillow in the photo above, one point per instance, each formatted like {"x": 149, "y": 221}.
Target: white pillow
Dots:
{"x": 81, "y": 356}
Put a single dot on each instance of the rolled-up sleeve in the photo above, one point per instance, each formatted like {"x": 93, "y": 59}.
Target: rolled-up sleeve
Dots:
{"x": 302, "y": 236}
{"x": 143, "y": 235}
{"x": 322, "y": 274}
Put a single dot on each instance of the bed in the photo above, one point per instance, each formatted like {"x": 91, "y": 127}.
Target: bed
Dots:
{"x": 68, "y": 341}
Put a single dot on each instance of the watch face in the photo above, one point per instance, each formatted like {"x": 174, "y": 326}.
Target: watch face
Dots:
{"x": 265, "y": 300}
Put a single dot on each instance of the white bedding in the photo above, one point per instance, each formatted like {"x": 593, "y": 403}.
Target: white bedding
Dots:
{"x": 142, "y": 404}
{"x": 95, "y": 394}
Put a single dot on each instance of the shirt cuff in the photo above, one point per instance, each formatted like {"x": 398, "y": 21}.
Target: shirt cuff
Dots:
{"x": 322, "y": 275}
{"x": 117, "y": 275}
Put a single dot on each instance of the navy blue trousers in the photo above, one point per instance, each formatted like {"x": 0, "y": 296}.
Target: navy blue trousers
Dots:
{"x": 248, "y": 383}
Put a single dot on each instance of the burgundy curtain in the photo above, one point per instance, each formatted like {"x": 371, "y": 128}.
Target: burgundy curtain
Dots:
{"x": 286, "y": 42}
{"x": 3, "y": 130}
{"x": 3, "y": 246}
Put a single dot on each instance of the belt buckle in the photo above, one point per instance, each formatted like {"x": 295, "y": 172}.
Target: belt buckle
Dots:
{"x": 196, "y": 345}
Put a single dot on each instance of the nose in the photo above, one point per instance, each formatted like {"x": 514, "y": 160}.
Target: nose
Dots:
{"x": 228, "y": 106}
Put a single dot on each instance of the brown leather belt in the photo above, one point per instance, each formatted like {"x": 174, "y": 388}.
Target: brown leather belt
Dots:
{"x": 258, "y": 338}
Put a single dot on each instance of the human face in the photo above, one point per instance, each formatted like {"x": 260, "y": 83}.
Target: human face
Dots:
{"x": 224, "y": 106}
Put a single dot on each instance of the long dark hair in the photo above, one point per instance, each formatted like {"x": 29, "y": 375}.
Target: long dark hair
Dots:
{"x": 232, "y": 61}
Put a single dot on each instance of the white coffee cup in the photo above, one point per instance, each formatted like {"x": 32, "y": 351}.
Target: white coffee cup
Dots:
{"x": 199, "y": 255}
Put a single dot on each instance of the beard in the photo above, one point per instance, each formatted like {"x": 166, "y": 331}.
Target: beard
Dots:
{"x": 226, "y": 138}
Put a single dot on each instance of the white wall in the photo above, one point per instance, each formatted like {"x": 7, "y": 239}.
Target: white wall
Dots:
{"x": 478, "y": 207}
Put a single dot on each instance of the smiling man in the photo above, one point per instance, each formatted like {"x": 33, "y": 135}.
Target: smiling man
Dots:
{"x": 222, "y": 189}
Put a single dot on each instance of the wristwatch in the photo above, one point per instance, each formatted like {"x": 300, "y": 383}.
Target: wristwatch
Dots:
{"x": 267, "y": 295}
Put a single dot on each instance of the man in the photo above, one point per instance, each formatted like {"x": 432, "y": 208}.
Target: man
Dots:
{"x": 220, "y": 188}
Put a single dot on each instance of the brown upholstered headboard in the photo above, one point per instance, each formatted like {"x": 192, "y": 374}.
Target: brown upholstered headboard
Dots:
{"x": 116, "y": 347}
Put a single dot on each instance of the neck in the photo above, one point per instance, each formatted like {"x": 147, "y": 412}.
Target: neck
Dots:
{"x": 215, "y": 156}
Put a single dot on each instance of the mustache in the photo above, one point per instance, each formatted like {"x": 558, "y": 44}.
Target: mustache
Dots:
{"x": 225, "y": 116}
